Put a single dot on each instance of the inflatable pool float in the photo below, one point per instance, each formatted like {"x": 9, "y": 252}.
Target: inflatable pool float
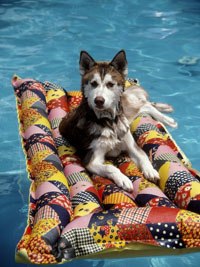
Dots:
{"x": 73, "y": 214}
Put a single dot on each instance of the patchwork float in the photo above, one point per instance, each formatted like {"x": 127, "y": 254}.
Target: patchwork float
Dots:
{"x": 74, "y": 214}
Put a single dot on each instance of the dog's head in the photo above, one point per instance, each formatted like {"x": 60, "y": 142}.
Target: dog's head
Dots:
{"x": 103, "y": 83}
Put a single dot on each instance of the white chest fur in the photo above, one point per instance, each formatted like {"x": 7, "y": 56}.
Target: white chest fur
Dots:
{"x": 110, "y": 138}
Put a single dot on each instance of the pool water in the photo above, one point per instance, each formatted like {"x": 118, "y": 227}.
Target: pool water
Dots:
{"x": 42, "y": 39}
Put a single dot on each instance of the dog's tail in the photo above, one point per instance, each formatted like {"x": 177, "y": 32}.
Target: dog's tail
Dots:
{"x": 163, "y": 107}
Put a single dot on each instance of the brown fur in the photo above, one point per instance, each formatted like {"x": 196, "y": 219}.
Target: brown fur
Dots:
{"x": 102, "y": 68}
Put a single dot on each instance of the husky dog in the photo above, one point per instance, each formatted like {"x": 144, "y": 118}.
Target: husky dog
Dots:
{"x": 99, "y": 126}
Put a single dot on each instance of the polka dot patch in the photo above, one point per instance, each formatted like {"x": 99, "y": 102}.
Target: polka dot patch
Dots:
{"x": 166, "y": 234}
{"x": 175, "y": 181}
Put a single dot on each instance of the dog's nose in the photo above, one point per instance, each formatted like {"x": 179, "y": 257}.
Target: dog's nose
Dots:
{"x": 99, "y": 101}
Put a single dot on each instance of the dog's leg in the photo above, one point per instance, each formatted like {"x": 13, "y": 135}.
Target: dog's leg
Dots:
{"x": 163, "y": 107}
{"x": 157, "y": 115}
{"x": 97, "y": 166}
{"x": 140, "y": 158}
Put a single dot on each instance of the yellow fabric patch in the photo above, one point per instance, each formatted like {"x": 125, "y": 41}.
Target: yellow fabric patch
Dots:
{"x": 189, "y": 227}
{"x": 29, "y": 117}
{"x": 87, "y": 208}
{"x": 145, "y": 184}
{"x": 184, "y": 215}
{"x": 44, "y": 121}
{"x": 52, "y": 94}
{"x": 127, "y": 83}
{"x": 43, "y": 226}
{"x": 33, "y": 187}
{"x": 117, "y": 198}
{"x": 40, "y": 156}
{"x": 195, "y": 189}
{"x": 63, "y": 150}
{"x": 60, "y": 177}
{"x": 43, "y": 171}
{"x": 132, "y": 170}
{"x": 163, "y": 172}
{"x": 27, "y": 103}
{"x": 107, "y": 236}
{"x": 75, "y": 93}
{"x": 154, "y": 134}
{"x": 134, "y": 124}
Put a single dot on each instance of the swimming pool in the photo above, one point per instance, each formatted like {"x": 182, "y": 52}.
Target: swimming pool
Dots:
{"x": 42, "y": 39}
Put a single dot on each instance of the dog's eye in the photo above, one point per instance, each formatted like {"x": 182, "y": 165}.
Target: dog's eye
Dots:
{"x": 94, "y": 84}
{"x": 110, "y": 84}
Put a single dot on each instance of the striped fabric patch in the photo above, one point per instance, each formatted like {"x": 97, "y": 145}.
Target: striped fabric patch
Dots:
{"x": 167, "y": 157}
{"x": 83, "y": 197}
{"x": 55, "y": 123}
{"x": 117, "y": 198}
{"x": 60, "y": 141}
{"x": 76, "y": 177}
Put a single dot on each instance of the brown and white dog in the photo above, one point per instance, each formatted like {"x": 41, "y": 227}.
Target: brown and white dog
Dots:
{"x": 99, "y": 126}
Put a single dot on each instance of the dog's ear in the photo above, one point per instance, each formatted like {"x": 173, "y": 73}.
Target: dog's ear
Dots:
{"x": 120, "y": 62}
{"x": 86, "y": 62}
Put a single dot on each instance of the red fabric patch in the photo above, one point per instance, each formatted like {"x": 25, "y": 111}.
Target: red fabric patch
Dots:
{"x": 137, "y": 233}
{"x": 59, "y": 102}
{"x": 141, "y": 139}
{"x": 93, "y": 190}
{"x": 182, "y": 198}
{"x": 74, "y": 101}
{"x": 123, "y": 167}
{"x": 162, "y": 215}
{"x": 124, "y": 205}
{"x": 70, "y": 159}
{"x": 62, "y": 201}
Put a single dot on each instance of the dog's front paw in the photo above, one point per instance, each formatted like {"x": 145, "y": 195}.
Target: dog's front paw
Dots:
{"x": 124, "y": 182}
{"x": 151, "y": 174}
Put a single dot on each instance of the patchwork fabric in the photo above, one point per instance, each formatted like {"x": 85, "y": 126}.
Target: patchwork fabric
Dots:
{"x": 83, "y": 197}
{"x": 73, "y": 214}
{"x": 189, "y": 225}
{"x": 172, "y": 166}
{"x": 75, "y": 177}
{"x": 143, "y": 129}
{"x": 176, "y": 181}
{"x": 136, "y": 232}
{"x": 167, "y": 233}
{"x": 45, "y": 213}
{"x": 82, "y": 242}
{"x": 167, "y": 157}
{"x": 134, "y": 216}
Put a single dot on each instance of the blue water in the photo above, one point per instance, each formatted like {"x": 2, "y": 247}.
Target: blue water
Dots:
{"x": 42, "y": 39}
